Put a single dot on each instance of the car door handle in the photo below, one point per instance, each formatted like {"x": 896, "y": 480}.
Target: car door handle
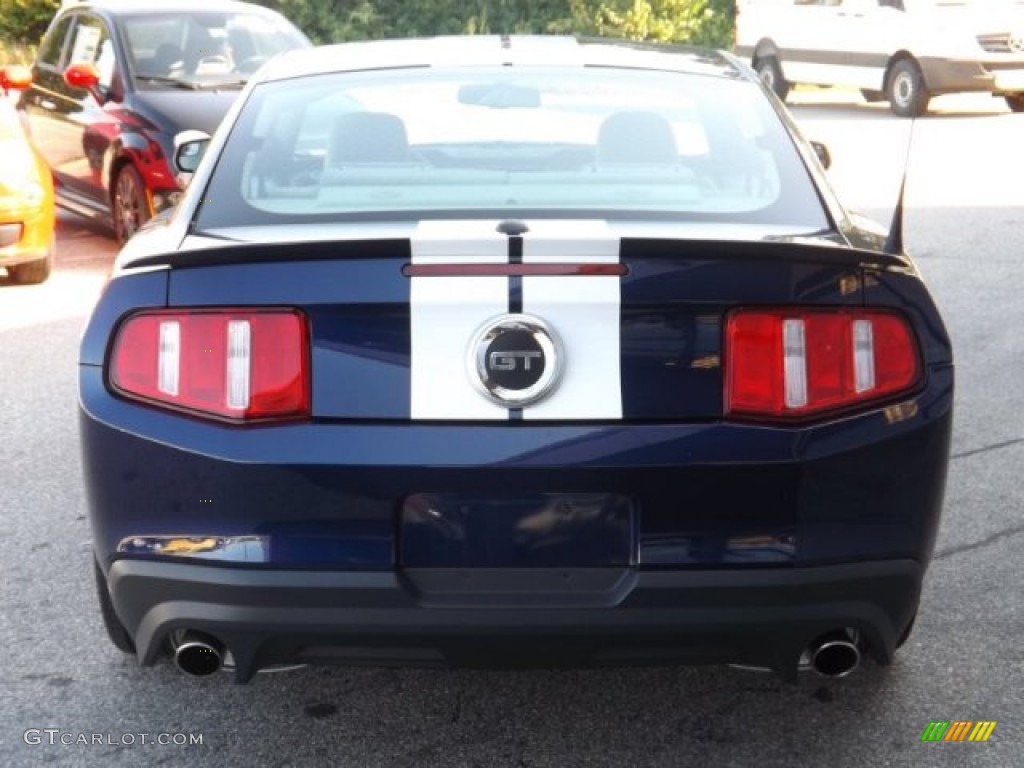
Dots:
{"x": 47, "y": 104}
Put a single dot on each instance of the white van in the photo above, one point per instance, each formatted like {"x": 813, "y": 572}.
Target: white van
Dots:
{"x": 903, "y": 51}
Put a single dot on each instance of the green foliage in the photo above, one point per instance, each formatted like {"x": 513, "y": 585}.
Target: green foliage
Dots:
{"x": 17, "y": 53}
{"x": 719, "y": 29}
{"x": 25, "y": 21}
{"x": 705, "y": 22}
{"x": 341, "y": 20}
{"x": 659, "y": 20}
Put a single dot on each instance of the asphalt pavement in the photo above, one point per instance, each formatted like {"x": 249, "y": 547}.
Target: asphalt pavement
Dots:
{"x": 63, "y": 682}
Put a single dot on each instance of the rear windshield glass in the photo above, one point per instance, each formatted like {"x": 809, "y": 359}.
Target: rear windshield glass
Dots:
{"x": 543, "y": 142}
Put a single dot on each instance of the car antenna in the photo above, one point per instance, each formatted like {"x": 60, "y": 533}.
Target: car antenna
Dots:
{"x": 894, "y": 241}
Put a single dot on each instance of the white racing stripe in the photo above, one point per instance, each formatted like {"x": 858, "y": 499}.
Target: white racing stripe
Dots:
{"x": 445, "y": 314}
{"x": 584, "y": 311}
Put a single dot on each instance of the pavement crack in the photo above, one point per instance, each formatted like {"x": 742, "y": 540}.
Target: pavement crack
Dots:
{"x": 979, "y": 544}
{"x": 987, "y": 448}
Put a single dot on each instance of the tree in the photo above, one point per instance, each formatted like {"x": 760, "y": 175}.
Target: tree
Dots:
{"x": 707, "y": 22}
{"x": 665, "y": 21}
{"x": 25, "y": 21}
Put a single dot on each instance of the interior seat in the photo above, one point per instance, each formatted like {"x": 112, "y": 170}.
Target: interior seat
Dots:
{"x": 368, "y": 137}
{"x": 636, "y": 137}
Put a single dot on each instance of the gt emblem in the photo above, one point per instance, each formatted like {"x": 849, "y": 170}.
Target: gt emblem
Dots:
{"x": 506, "y": 361}
{"x": 515, "y": 360}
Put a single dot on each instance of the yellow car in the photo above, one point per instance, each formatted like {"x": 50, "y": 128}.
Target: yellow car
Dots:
{"x": 27, "y": 211}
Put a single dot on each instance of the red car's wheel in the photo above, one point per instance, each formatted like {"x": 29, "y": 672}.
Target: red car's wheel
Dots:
{"x": 130, "y": 204}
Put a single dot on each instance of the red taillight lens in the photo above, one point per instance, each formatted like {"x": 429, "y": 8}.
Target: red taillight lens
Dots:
{"x": 793, "y": 363}
{"x": 235, "y": 364}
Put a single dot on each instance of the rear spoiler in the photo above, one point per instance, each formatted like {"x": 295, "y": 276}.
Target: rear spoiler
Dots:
{"x": 788, "y": 249}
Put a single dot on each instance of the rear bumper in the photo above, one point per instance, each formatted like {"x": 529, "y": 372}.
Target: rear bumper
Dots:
{"x": 329, "y": 496}
{"x": 25, "y": 237}
{"x": 995, "y": 75}
{"x": 506, "y": 617}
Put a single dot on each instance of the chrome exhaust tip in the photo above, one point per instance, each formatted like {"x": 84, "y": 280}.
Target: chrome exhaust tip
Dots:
{"x": 835, "y": 654}
{"x": 198, "y": 654}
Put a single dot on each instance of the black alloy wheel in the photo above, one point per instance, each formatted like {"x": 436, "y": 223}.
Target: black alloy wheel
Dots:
{"x": 130, "y": 204}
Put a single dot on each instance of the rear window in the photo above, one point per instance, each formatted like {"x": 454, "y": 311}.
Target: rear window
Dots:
{"x": 512, "y": 141}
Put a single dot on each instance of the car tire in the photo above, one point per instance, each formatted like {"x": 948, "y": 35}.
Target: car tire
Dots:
{"x": 33, "y": 272}
{"x": 115, "y": 629}
{"x": 905, "y": 89}
{"x": 871, "y": 96}
{"x": 1015, "y": 101}
{"x": 770, "y": 72}
{"x": 129, "y": 204}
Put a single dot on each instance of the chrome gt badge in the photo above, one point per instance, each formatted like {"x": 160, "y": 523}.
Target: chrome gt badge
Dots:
{"x": 515, "y": 360}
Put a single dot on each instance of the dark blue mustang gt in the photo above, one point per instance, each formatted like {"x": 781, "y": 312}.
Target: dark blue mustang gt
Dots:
{"x": 512, "y": 350}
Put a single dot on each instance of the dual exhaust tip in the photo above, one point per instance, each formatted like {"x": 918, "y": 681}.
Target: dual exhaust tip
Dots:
{"x": 834, "y": 654}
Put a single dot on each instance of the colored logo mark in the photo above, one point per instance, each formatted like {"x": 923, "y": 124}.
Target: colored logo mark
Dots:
{"x": 958, "y": 730}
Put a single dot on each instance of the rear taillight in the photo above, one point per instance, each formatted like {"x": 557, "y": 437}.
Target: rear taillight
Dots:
{"x": 235, "y": 364}
{"x": 782, "y": 363}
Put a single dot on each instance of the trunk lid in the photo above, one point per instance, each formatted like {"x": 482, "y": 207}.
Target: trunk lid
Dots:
{"x": 644, "y": 345}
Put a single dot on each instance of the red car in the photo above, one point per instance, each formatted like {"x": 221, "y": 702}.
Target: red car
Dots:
{"x": 114, "y": 82}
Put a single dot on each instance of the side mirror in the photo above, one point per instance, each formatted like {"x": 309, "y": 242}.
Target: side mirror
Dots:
{"x": 15, "y": 78}
{"x": 824, "y": 157}
{"x": 189, "y": 148}
{"x": 84, "y": 75}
